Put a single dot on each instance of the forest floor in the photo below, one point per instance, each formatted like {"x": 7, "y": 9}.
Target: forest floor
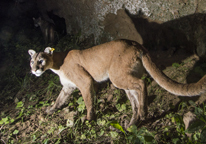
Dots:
{"x": 24, "y": 98}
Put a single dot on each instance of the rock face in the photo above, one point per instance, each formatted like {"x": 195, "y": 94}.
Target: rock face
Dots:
{"x": 154, "y": 23}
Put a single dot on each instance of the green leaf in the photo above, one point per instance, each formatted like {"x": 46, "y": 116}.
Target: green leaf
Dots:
{"x": 45, "y": 141}
{"x": 173, "y": 119}
{"x": 203, "y": 118}
{"x": 176, "y": 65}
{"x": 143, "y": 77}
{"x": 178, "y": 119}
{"x": 41, "y": 102}
{"x": 113, "y": 134}
{"x": 196, "y": 136}
{"x": 116, "y": 125}
{"x": 182, "y": 105}
{"x": 33, "y": 137}
{"x": 123, "y": 107}
{"x": 83, "y": 136}
{"x": 132, "y": 129}
{"x": 148, "y": 138}
{"x": 140, "y": 139}
{"x": 101, "y": 132}
{"x": 59, "y": 141}
{"x": 51, "y": 130}
{"x": 93, "y": 131}
{"x": 118, "y": 106}
{"x": 203, "y": 136}
{"x": 101, "y": 122}
{"x": 198, "y": 110}
{"x": 81, "y": 107}
{"x": 15, "y": 132}
{"x": 61, "y": 128}
{"x": 21, "y": 113}
{"x": 166, "y": 129}
{"x": 81, "y": 103}
{"x": 195, "y": 126}
{"x": 71, "y": 104}
{"x": 148, "y": 80}
{"x": 80, "y": 100}
{"x": 176, "y": 140}
{"x": 1, "y": 122}
{"x": 192, "y": 103}
{"x": 4, "y": 120}
{"x": 69, "y": 123}
{"x": 12, "y": 120}
{"x": 20, "y": 104}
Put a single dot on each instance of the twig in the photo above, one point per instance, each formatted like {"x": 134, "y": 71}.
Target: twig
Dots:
{"x": 1, "y": 127}
{"x": 3, "y": 141}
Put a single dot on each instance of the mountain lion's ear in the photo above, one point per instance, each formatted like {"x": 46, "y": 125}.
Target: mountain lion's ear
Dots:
{"x": 49, "y": 50}
{"x": 31, "y": 52}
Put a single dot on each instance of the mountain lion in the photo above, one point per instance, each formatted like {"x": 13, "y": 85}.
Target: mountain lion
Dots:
{"x": 121, "y": 61}
{"x": 47, "y": 29}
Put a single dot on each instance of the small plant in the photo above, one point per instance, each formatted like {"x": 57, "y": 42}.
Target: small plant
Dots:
{"x": 16, "y": 132}
{"x": 198, "y": 127}
{"x": 120, "y": 107}
{"x": 117, "y": 93}
{"x": 148, "y": 80}
{"x": 180, "y": 129}
{"x": 176, "y": 65}
{"x": 19, "y": 104}
{"x": 21, "y": 108}
{"x": 140, "y": 136}
{"x": 6, "y": 120}
{"x": 81, "y": 103}
{"x": 42, "y": 104}
{"x": 116, "y": 125}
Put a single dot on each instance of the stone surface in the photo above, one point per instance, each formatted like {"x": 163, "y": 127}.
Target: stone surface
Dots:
{"x": 121, "y": 26}
{"x": 163, "y": 24}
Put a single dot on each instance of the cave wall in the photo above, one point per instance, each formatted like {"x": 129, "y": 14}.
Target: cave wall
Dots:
{"x": 154, "y": 23}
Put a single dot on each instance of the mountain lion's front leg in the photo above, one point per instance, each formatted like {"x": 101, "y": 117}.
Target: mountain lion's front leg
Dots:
{"x": 64, "y": 94}
{"x": 84, "y": 82}
{"x": 88, "y": 95}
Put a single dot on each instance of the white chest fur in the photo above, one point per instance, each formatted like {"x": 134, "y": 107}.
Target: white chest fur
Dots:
{"x": 66, "y": 82}
{"x": 63, "y": 79}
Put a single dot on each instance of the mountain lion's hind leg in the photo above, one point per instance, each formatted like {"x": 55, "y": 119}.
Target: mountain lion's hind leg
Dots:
{"x": 136, "y": 93}
{"x": 64, "y": 94}
{"x": 137, "y": 96}
{"x": 142, "y": 98}
{"x": 134, "y": 103}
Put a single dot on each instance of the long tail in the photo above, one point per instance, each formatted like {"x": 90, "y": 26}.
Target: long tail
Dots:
{"x": 171, "y": 86}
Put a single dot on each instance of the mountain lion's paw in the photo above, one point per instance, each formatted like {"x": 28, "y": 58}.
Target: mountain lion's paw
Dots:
{"x": 49, "y": 110}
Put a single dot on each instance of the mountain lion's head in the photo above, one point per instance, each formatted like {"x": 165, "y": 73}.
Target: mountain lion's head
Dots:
{"x": 37, "y": 22}
{"x": 41, "y": 61}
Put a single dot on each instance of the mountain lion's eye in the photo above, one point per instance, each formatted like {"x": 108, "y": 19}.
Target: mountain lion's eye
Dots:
{"x": 40, "y": 61}
{"x": 32, "y": 62}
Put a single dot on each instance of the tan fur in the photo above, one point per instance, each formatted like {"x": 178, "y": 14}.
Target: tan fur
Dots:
{"x": 47, "y": 29}
{"x": 121, "y": 61}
